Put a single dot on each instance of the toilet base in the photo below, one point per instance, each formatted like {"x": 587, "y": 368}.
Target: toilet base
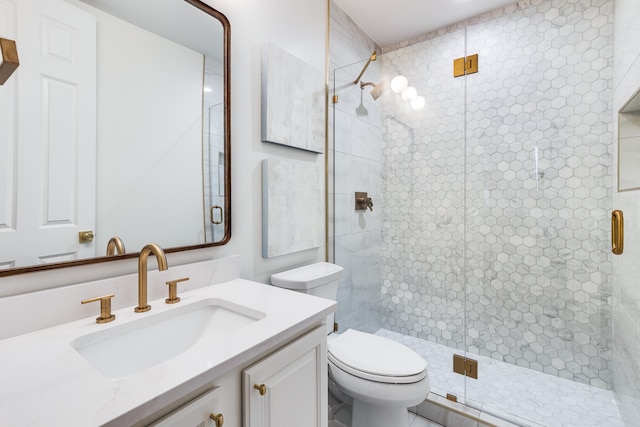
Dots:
{"x": 366, "y": 415}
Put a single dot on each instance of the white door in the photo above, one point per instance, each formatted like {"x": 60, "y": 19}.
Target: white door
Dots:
{"x": 47, "y": 183}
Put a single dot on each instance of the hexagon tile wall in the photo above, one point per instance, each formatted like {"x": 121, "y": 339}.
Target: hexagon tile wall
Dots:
{"x": 496, "y": 194}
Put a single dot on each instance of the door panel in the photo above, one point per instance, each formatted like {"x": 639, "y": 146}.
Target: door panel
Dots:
{"x": 50, "y": 175}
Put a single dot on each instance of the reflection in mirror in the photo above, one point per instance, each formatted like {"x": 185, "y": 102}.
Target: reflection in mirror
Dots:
{"x": 115, "y": 124}
{"x": 629, "y": 145}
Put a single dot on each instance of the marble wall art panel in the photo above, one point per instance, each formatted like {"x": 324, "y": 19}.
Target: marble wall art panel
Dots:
{"x": 292, "y": 211}
{"x": 292, "y": 101}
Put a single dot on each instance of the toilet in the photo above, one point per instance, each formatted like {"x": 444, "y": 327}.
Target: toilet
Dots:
{"x": 381, "y": 378}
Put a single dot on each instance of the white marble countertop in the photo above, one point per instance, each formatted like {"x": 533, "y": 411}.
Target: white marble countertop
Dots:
{"x": 45, "y": 381}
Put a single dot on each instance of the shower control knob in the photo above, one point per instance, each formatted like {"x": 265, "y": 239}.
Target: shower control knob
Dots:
{"x": 369, "y": 203}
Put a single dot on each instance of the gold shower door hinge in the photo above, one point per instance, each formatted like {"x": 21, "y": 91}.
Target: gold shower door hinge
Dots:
{"x": 335, "y": 99}
{"x": 465, "y": 65}
{"x": 465, "y": 366}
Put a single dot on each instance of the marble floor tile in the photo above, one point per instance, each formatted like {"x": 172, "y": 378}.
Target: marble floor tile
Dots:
{"x": 416, "y": 421}
{"x": 515, "y": 393}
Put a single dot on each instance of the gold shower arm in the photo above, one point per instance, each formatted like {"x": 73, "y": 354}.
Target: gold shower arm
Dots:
{"x": 371, "y": 58}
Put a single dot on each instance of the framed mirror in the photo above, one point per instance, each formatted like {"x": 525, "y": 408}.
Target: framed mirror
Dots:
{"x": 115, "y": 124}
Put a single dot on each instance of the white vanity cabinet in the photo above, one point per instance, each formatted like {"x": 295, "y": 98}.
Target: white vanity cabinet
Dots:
{"x": 289, "y": 387}
{"x": 269, "y": 335}
{"x": 291, "y": 391}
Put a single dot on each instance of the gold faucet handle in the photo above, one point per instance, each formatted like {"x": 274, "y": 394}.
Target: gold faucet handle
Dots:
{"x": 173, "y": 290}
{"x": 105, "y": 308}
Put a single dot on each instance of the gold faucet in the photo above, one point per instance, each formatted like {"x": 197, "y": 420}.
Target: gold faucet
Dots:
{"x": 115, "y": 246}
{"x": 142, "y": 273}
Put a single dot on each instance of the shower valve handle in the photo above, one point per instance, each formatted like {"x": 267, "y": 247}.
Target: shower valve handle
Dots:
{"x": 363, "y": 201}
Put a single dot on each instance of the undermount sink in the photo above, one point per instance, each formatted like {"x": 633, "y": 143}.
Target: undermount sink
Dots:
{"x": 132, "y": 347}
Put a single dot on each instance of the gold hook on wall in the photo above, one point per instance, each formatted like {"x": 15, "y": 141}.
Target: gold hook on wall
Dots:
{"x": 617, "y": 232}
{"x": 8, "y": 59}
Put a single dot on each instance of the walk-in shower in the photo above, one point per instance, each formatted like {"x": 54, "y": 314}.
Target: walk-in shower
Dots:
{"x": 492, "y": 237}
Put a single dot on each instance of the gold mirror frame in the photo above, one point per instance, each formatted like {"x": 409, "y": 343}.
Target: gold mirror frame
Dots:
{"x": 227, "y": 162}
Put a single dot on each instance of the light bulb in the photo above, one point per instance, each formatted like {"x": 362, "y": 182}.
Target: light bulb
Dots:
{"x": 399, "y": 83}
{"x": 418, "y": 103}
{"x": 409, "y": 93}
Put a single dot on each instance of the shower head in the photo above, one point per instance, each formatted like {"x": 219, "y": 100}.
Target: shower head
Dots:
{"x": 378, "y": 89}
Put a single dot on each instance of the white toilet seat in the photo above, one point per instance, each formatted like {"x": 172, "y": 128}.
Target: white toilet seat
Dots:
{"x": 376, "y": 358}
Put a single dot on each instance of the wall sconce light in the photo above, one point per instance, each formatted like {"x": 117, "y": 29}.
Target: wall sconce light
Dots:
{"x": 418, "y": 103}
{"x": 8, "y": 59}
{"x": 400, "y": 85}
{"x": 409, "y": 94}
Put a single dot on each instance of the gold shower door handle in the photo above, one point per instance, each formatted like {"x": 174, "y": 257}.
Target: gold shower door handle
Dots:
{"x": 617, "y": 232}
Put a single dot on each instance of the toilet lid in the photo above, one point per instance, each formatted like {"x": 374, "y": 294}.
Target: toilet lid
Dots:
{"x": 376, "y": 358}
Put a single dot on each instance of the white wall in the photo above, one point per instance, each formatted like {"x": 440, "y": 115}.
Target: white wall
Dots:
{"x": 626, "y": 267}
{"x": 298, "y": 27}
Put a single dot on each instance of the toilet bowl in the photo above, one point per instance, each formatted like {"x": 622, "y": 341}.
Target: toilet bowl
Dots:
{"x": 381, "y": 378}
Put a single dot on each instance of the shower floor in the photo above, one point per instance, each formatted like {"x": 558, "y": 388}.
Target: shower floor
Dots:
{"x": 514, "y": 393}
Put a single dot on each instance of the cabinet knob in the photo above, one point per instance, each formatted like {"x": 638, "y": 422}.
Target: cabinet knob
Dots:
{"x": 261, "y": 388}
{"x": 218, "y": 418}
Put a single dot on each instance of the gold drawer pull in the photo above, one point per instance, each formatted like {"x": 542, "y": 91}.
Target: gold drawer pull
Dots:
{"x": 261, "y": 388}
{"x": 218, "y": 418}
{"x": 617, "y": 232}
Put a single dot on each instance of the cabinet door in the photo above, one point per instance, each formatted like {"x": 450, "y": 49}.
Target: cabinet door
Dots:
{"x": 289, "y": 387}
{"x": 196, "y": 413}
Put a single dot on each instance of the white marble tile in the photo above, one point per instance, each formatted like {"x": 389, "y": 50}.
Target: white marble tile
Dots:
{"x": 352, "y": 174}
{"x": 357, "y": 166}
{"x": 513, "y": 187}
{"x": 516, "y": 393}
{"x": 417, "y": 421}
{"x": 348, "y": 42}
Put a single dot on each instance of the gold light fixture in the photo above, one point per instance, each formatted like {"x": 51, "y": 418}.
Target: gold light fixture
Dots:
{"x": 8, "y": 59}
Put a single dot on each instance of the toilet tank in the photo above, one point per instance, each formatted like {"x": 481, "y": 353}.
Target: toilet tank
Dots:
{"x": 319, "y": 279}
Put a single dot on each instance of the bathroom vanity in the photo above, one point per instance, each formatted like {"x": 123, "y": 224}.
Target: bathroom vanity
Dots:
{"x": 236, "y": 353}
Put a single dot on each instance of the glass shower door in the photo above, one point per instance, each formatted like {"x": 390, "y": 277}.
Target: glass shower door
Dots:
{"x": 356, "y": 235}
{"x": 538, "y": 185}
